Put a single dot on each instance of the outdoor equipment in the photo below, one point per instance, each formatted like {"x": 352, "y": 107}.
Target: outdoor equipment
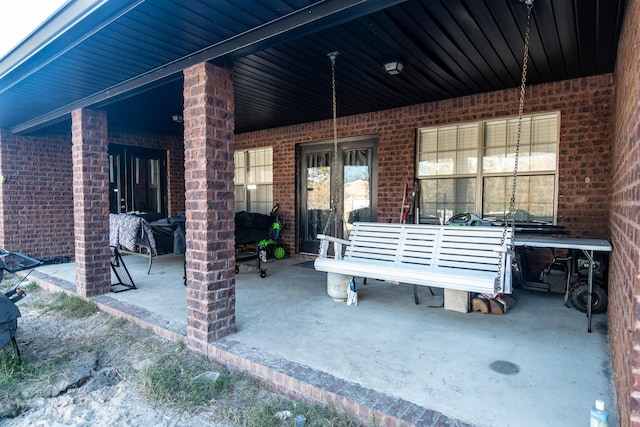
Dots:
{"x": 564, "y": 274}
{"x": 251, "y": 229}
{"x": 467, "y": 219}
{"x": 270, "y": 247}
{"x": 9, "y": 312}
{"x": 124, "y": 282}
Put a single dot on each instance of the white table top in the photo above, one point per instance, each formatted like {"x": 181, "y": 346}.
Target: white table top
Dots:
{"x": 563, "y": 242}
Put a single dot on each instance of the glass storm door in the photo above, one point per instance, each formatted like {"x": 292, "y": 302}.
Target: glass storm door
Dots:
{"x": 332, "y": 200}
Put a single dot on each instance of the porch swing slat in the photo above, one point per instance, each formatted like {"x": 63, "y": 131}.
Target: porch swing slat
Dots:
{"x": 459, "y": 258}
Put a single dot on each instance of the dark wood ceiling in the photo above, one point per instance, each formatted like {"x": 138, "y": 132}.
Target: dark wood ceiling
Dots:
{"x": 127, "y": 57}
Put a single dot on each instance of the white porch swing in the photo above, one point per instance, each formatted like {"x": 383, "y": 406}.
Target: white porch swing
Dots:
{"x": 468, "y": 259}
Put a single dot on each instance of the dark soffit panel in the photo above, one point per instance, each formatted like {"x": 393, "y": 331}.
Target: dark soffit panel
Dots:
{"x": 450, "y": 48}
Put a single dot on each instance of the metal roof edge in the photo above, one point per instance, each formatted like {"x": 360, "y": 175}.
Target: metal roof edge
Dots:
{"x": 74, "y": 22}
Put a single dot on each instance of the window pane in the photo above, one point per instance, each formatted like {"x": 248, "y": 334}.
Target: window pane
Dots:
{"x": 468, "y": 137}
{"x": 466, "y": 161}
{"x": 239, "y": 159}
{"x": 447, "y": 139}
{"x": 259, "y": 168}
{"x": 253, "y": 180}
{"x": 261, "y": 199}
{"x": 429, "y": 141}
{"x": 440, "y": 199}
{"x": 534, "y": 201}
{"x": 450, "y": 150}
{"x": 495, "y": 134}
{"x": 538, "y": 144}
{"x": 428, "y": 164}
{"x": 446, "y": 162}
{"x": 238, "y": 191}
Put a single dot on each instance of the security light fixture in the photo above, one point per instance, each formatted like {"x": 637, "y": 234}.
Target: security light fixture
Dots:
{"x": 393, "y": 67}
{"x": 177, "y": 118}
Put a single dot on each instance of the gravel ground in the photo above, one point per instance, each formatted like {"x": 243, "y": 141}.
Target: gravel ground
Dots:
{"x": 86, "y": 372}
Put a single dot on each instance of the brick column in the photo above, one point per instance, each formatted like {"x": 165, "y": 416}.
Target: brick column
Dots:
{"x": 6, "y": 226}
{"x": 91, "y": 202}
{"x": 209, "y": 200}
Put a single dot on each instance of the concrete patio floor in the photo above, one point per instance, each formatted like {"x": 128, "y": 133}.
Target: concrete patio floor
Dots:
{"x": 534, "y": 366}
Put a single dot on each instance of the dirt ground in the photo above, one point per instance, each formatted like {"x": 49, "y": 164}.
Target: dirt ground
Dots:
{"x": 86, "y": 372}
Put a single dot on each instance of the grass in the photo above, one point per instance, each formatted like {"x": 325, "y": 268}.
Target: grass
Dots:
{"x": 16, "y": 375}
{"x": 162, "y": 372}
{"x": 69, "y": 306}
{"x": 9, "y": 280}
{"x": 12, "y": 375}
{"x": 15, "y": 378}
{"x": 169, "y": 380}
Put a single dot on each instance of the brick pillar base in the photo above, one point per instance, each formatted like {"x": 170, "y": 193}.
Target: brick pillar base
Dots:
{"x": 91, "y": 202}
{"x": 209, "y": 202}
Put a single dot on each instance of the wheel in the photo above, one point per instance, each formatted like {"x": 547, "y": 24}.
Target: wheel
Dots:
{"x": 263, "y": 274}
{"x": 279, "y": 253}
{"x": 579, "y": 295}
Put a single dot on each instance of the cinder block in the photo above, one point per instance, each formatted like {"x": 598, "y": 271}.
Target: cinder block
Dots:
{"x": 456, "y": 300}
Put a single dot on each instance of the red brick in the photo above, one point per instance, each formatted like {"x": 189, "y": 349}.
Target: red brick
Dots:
{"x": 208, "y": 154}
{"x": 586, "y": 110}
{"x": 90, "y": 189}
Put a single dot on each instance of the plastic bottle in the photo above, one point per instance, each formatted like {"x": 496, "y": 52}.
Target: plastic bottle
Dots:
{"x": 599, "y": 415}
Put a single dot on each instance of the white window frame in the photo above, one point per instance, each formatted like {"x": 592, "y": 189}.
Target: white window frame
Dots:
{"x": 439, "y": 166}
{"x": 253, "y": 180}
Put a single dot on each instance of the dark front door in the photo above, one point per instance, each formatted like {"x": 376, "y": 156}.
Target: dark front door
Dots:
{"x": 335, "y": 191}
{"x": 137, "y": 180}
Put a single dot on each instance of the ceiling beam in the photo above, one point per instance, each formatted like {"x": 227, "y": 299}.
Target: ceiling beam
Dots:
{"x": 304, "y": 21}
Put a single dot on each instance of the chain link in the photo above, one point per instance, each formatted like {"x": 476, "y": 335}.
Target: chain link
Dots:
{"x": 509, "y": 218}
{"x": 332, "y": 56}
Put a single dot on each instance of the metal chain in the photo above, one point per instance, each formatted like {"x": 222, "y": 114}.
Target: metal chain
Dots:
{"x": 332, "y": 56}
{"x": 509, "y": 218}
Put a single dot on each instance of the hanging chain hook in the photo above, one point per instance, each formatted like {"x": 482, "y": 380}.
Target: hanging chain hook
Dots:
{"x": 529, "y": 4}
{"x": 509, "y": 219}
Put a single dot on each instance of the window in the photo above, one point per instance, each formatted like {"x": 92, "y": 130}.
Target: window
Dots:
{"x": 254, "y": 180}
{"x": 469, "y": 168}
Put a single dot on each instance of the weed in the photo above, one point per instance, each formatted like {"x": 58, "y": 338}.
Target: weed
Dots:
{"x": 11, "y": 280}
{"x": 12, "y": 372}
{"x": 168, "y": 380}
{"x": 181, "y": 346}
{"x": 248, "y": 403}
{"x": 69, "y": 306}
{"x": 31, "y": 288}
{"x": 263, "y": 412}
{"x": 11, "y": 368}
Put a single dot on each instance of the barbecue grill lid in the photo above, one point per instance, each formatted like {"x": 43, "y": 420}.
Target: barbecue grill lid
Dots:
{"x": 8, "y": 310}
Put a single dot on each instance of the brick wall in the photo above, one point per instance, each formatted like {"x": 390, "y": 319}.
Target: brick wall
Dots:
{"x": 624, "y": 272}
{"x": 585, "y": 138}
{"x": 36, "y": 199}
